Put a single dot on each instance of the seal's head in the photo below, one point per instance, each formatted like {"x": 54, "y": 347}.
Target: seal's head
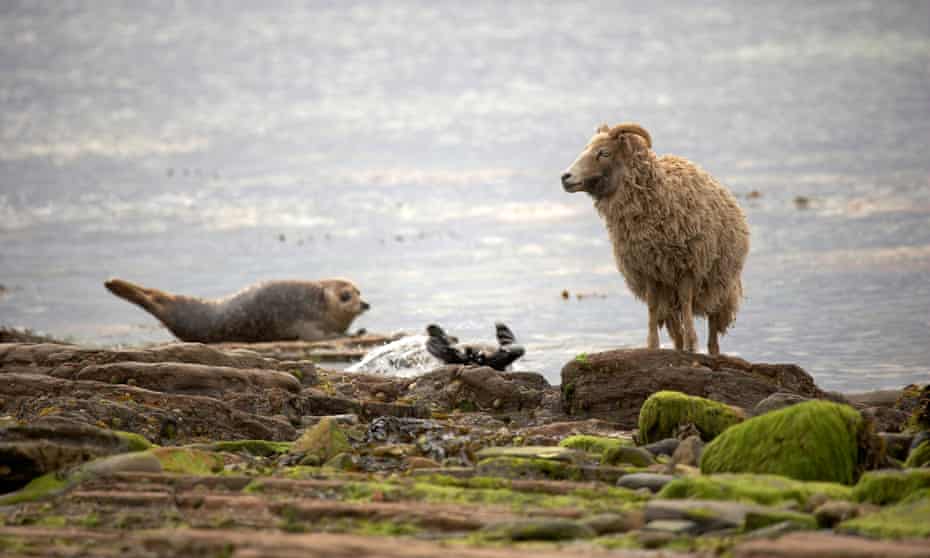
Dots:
{"x": 343, "y": 302}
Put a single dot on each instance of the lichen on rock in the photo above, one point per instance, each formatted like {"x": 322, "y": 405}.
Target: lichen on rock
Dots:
{"x": 815, "y": 441}
{"x": 665, "y": 411}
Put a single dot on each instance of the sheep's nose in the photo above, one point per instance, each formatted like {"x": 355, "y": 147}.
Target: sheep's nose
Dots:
{"x": 565, "y": 177}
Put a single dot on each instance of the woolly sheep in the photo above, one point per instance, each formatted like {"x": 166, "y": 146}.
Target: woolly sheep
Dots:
{"x": 679, "y": 237}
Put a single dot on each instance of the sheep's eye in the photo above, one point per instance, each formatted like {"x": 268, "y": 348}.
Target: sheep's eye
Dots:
{"x": 345, "y": 296}
{"x": 603, "y": 154}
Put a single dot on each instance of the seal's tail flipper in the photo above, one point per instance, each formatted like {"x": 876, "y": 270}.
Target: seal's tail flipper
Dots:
{"x": 504, "y": 335}
{"x": 149, "y": 299}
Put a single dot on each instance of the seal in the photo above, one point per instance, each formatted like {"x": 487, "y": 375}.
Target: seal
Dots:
{"x": 268, "y": 311}
{"x": 448, "y": 349}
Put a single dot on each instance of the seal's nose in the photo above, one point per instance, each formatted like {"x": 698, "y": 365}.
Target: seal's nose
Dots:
{"x": 365, "y": 306}
{"x": 566, "y": 177}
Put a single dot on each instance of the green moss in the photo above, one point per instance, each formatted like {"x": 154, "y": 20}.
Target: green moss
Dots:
{"x": 297, "y": 373}
{"x": 384, "y": 528}
{"x": 55, "y": 521}
{"x": 90, "y": 521}
{"x": 188, "y": 461}
{"x": 38, "y": 488}
{"x": 594, "y": 444}
{"x": 261, "y": 448}
{"x": 908, "y": 519}
{"x": 919, "y": 456}
{"x": 814, "y": 440}
{"x": 663, "y": 412}
{"x": 539, "y": 529}
{"x": 761, "y": 489}
{"x": 134, "y": 441}
{"x": 888, "y": 487}
{"x": 528, "y": 468}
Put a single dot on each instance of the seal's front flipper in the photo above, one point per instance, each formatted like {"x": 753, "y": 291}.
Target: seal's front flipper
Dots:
{"x": 504, "y": 335}
{"x": 504, "y": 357}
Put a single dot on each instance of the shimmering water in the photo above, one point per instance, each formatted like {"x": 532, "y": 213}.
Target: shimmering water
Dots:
{"x": 415, "y": 147}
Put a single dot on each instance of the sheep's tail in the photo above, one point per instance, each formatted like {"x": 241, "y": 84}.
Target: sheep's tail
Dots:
{"x": 151, "y": 300}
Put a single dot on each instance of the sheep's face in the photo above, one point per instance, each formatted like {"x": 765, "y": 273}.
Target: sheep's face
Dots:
{"x": 591, "y": 170}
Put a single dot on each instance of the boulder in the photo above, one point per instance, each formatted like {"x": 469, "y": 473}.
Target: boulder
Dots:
{"x": 816, "y": 440}
{"x": 887, "y": 487}
{"x": 664, "y": 412}
{"x": 613, "y": 385}
{"x": 650, "y": 481}
{"x": 761, "y": 489}
{"x": 469, "y": 388}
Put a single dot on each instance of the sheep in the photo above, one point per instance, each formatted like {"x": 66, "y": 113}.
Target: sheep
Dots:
{"x": 679, "y": 237}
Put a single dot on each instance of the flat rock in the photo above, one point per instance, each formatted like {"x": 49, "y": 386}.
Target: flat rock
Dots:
{"x": 478, "y": 388}
{"x": 826, "y": 545}
{"x": 678, "y": 527}
{"x": 613, "y": 385}
{"x": 663, "y": 447}
{"x": 651, "y": 481}
{"x": 776, "y": 401}
{"x": 555, "y": 453}
{"x": 710, "y": 515}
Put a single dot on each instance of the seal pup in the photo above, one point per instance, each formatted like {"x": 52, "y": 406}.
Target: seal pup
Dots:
{"x": 267, "y": 311}
{"x": 445, "y": 348}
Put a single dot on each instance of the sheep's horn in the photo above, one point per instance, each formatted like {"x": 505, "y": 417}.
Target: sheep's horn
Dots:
{"x": 632, "y": 128}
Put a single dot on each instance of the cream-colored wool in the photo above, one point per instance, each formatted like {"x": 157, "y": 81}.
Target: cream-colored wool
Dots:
{"x": 680, "y": 239}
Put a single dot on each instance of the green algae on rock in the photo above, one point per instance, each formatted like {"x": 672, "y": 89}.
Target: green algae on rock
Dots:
{"x": 188, "y": 461}
{"x": 919, "y": 456}
{"x": 321, "y": 443}
{"x": 909, "y": 518}
{"x": 759, "y": 519}
{"x": 761, "y": 489}
{"x": 664, "y": 411}
{"x": 638, "y": 457}
{"x": 888, "y": 487}
{"x": 541, "y": 529}
{"x": 528, "y": 468}
{"x": 258, "y": 448}
{"x": 814, "y": 441}
{"x": 594, "y": 444}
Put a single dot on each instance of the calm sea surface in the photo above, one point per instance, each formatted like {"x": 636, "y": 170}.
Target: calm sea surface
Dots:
{"x": 415, "y": 147}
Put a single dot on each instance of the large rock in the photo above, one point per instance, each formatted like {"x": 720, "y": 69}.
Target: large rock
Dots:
{"x": 613, "y": 385}
{"x": 816, "y": 440}
{"x": 478, "y": 389}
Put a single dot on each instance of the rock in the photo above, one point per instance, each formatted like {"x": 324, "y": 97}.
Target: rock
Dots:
{"x": 538, "y": 530}
{"x": 816, "y": 440}
{"x": 762, "y": 489}
{"x": 689, "y": 452}
{"x": 885, "y": 419}
{"x": 594, "y": 444}
{"x": 30, "y": 451}
{"x": 919, "y": 456}
{"x": 528, "y": 468}
{"x": 610, "y": 523}
{"x": 414, "y": 463}
{"x": 552, "y": 433}
{"x": 321, "y": 443}
{"x": 663, "y": 447}
{"x": 638, "y": 457}
{"x": 897, "y": 445}
{"x": 343, "y": 461}
{"x": 827, "y": 545}
{"x": 664, "y": 412}
{"x": 777, "y": 401}
{"x": 766, "y": 517}
{"x": 613, "y": 385}
{"x": 188, "y": 460}
{"x": 879, "y": 398}
{"x": 909, "y": 518}
{"x": 832, "y": 512}
{"x": 140, "y": 462}
{"x": 708, "y": 515}
{"x": 915, "y": 401}
{"x": 553, "y": 453}
{"x": 774, "y": 531}
{"x": 651, "y": 481}
{"x": 887, "y": 487}
{"x": 677, "y": 527}
{"x": 477, "y": 388}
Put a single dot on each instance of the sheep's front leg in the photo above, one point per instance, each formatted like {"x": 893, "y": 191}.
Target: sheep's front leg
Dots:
{"x": 686, "y": 297}
{"x": 713, "y": 345}
{"x": 673, "y": 324}
{"x": 652, "y": 300}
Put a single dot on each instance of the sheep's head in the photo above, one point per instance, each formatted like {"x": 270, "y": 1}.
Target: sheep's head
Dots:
{"x": 607, "y": 152}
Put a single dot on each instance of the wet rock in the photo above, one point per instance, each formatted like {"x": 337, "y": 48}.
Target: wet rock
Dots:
{"x": 816, "y": 440}
{"x": 828, "y": 545}
{"x": 342, "y": 420}
{"x": 613, "y": 385}
{"x": 638, "y": 457}
{"x": 610, "y": 523}
{"x": 777, "y": 401}
{"x": 897, "y": 445}
{"x": 477, "y": 388}
{"x": 886, "y": 419}
{"x": 651, "y": 481}
{"x": 663, "y": 447}
{"x": 689, "y": 452}
{"x": 676, "y": 527}
{"x": 550, "y": 434}
{"x": 708, "y": 515}
{"x": 538, "y": 530}
{"x": 321, "y": 443}
{"x": 140, "y": 462}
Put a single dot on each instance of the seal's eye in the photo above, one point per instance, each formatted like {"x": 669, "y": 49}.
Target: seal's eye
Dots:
{"x": 346, "y": 296}
{"x": 603, "y": 154}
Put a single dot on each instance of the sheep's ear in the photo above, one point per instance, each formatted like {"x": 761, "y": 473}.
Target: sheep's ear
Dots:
{"x": 602, "y": 128}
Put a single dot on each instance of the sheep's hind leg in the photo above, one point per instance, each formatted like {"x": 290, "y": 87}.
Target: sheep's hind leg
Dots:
{"x": 652, "y": 300}
{"x": 686, "y": 297}
{"x": 713, "y": 345}
{"x": 673, "y": 325}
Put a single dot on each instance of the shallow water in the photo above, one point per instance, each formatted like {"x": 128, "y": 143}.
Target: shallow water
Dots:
{"x": 415, "y": 147}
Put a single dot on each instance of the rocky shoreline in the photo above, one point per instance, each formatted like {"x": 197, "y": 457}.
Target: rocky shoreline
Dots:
{"x": 261, "y": 450}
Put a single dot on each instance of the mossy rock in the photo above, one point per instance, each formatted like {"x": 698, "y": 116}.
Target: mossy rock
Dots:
{"x": 37, "y": 489}
{"x": 888, "y": 487}
{"x": 528, "y": 468}
{"x": 638, "y": 457}
{"x": 907, "y": 519}
{"x": 760, "y": 489}
{"x": 134, "y": 442}
{"x": 919, "y": 456}
{"x": 260, "y": 448}
{"x": 542, "y": 529}
{"x": 814, "y": 441}
{"x": 321, "y": 443}
{"x": 188, "y": 461}
{"x": 594, "y": 444}
{"x": 759, "y": 519}
{"x": 915, "y": 400}
{"x": 665, "y": 411}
